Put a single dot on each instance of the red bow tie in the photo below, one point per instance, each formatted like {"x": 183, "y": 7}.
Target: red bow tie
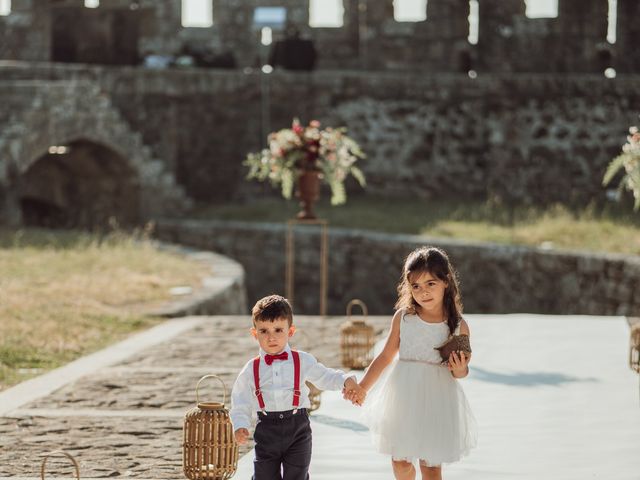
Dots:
{"x": 268, "y": 359}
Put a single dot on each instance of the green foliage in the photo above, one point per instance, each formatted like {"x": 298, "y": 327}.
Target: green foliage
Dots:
{"x": 297, "y": 149}
{"x": 609, "y": 228}
{"x": 628, "y": 162}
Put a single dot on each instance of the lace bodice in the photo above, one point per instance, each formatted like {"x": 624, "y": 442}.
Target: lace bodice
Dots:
{"x": 418, "y": 338}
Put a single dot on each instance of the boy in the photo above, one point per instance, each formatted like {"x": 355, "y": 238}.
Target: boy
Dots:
{"x": 273, "y": 385}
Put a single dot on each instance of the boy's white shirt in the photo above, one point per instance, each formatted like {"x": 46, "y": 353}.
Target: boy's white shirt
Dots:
{"x": 276, "y": 383}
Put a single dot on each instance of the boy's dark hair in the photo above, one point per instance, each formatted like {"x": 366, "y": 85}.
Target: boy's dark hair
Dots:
{"x": 271, "y": 308}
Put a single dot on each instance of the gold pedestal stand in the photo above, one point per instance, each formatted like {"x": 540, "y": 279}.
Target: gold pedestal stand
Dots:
{"x": 324, "y": 262}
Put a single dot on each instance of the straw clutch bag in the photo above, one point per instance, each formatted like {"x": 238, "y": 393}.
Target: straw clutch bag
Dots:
{"x": 456, "y": 343}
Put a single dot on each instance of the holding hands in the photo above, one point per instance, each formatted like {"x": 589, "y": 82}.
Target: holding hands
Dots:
{"x": 353, "y": 392}
{"x": 459, "y": 364}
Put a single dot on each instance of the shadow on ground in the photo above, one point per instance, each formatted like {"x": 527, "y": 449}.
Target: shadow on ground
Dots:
{"x": 526, "y": 379}
{"x": 339, "y": 422}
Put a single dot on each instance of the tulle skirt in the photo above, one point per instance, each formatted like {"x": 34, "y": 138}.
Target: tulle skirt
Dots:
{"x": 419, "y": 412}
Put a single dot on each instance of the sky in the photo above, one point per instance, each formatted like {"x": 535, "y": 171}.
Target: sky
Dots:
{"x": 328, "y": 13}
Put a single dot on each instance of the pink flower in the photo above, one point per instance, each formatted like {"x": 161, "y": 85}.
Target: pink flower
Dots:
{"x": 308, "y": 148}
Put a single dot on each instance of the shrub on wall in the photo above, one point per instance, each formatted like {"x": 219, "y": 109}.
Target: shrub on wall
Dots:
{"x": 629, "y": 161}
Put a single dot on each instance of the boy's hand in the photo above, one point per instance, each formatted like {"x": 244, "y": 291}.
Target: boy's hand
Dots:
{"x": 354, "y": 392}
{"x": 242, "y": 435}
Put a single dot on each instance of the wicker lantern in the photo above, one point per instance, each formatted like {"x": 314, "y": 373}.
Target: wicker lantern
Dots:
{"x": 314, "y": 392}
{"x": 209, "y": 450}
{"x": 634, "y": 348}
{"x": 58, "y": 453}
{"x": 356, "y": 339}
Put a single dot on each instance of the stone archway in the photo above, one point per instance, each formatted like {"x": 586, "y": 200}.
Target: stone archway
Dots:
{"x": 108, "y": 171}
{"x": 81, "y": 184}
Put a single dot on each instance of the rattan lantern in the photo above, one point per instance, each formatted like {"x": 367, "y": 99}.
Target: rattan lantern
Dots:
{"x": 209, "y": 449}
{"x": 58, "y": 453}
{"x": 356, "y": 339}
{"x": 634, "y": 348}
{"x": 314, "y": 392}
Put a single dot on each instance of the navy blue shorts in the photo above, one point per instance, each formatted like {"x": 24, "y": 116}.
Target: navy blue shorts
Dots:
{"x": 283, "y": 445}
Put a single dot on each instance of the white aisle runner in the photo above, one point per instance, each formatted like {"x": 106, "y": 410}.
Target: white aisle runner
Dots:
{"x": 553, "y": 397}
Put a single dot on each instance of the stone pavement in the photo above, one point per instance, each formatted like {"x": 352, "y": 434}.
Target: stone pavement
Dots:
{"x": 553, "y": 396}
{"x": 122, "y": 416}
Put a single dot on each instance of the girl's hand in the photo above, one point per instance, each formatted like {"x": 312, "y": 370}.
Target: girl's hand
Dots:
{"x": 459, "y": 364}
{"x": 355, "y": 394}
{"x": 360, "y": 395}
{"x": 353, "y": 397}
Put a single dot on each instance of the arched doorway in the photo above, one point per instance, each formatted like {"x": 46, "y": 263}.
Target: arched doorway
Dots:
{"x": 81, "y": 184}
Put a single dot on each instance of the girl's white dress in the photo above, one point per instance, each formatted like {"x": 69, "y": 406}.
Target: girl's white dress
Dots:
{"x": 419, "y": 411}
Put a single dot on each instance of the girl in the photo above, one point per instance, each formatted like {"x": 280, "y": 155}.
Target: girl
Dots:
{"x": 420, "y": 411}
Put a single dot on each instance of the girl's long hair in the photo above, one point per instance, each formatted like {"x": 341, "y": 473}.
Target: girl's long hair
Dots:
{"x": 436, "y": 262}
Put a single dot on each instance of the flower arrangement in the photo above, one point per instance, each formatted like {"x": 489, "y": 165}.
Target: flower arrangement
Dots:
{"x": 629, "y": 160}
{"x": 292, "y": 151}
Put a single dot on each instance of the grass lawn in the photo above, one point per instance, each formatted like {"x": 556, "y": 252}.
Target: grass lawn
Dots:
{"x": 610, "y": 229}
{"x": 66, "y": 294}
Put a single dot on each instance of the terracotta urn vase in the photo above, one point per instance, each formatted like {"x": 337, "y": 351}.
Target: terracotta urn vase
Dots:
{"x": 308, "y": 191}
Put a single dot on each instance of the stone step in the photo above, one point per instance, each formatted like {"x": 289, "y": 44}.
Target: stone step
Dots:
{"x": 93, "y": 413}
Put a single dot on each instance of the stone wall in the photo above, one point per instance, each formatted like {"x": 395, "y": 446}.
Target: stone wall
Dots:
{"x": 370, "y": 37}
{"x": 105, "y": 170}
{"x": 365, "y": 265}
{"x": 627, "y": 53}
{"x": 533, "y": 139}
{"x": 25, "y": 34}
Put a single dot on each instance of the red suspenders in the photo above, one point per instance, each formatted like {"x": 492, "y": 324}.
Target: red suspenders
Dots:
{"x": 256, "y": 381}
{"x": 296, "y": 380}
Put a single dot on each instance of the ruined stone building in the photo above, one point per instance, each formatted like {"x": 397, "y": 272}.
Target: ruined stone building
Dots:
{"x": 524, "y": 112}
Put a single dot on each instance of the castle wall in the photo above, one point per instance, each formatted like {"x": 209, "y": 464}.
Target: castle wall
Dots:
{"x": 494, "y": 278}
{"x": 627, "y": 53}
{"x": 105, "y": 170}
{"x": 25, "y": 34}
{"x": 533, "y": 139}
{"x": 574, "y": 42}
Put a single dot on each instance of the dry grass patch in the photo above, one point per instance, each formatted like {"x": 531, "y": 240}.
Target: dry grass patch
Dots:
{"x": 614, "y": 228}
{"x": 554, "y": 228}
{"x": 65, "y": 294}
